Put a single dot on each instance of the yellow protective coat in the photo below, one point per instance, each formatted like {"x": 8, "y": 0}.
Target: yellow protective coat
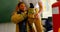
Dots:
{"x": 16, "y": 18}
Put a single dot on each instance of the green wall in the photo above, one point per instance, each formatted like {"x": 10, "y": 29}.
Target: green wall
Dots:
{"x": 6, "y": 8}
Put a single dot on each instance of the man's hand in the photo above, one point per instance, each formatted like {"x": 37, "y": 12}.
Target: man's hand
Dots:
{"x": 36, "y": 16}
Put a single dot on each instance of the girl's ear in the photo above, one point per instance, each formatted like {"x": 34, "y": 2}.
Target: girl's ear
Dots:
{"x": 17, "y": 8}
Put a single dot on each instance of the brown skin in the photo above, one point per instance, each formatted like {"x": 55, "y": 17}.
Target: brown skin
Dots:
{"x": 22, "y": 7}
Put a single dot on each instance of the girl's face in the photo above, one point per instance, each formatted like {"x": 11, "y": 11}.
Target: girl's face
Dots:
{"x": 22, "y": 7}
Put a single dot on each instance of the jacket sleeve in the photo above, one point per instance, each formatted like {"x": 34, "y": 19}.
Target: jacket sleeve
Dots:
{"x": 16, "y": 18}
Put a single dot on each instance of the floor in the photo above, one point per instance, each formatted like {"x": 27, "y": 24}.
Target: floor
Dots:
{"x": 7, "y": 27}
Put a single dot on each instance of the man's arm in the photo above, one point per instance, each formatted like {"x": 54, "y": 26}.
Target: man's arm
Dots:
{"x": 40, "y": 6}
{"x": 38, "y": 22}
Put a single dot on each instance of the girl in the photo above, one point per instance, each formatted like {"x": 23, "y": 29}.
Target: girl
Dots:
{"x": 19, "y": 17}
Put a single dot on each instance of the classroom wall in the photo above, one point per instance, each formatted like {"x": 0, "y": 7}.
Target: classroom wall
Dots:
{"x": 6, "y": 9}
